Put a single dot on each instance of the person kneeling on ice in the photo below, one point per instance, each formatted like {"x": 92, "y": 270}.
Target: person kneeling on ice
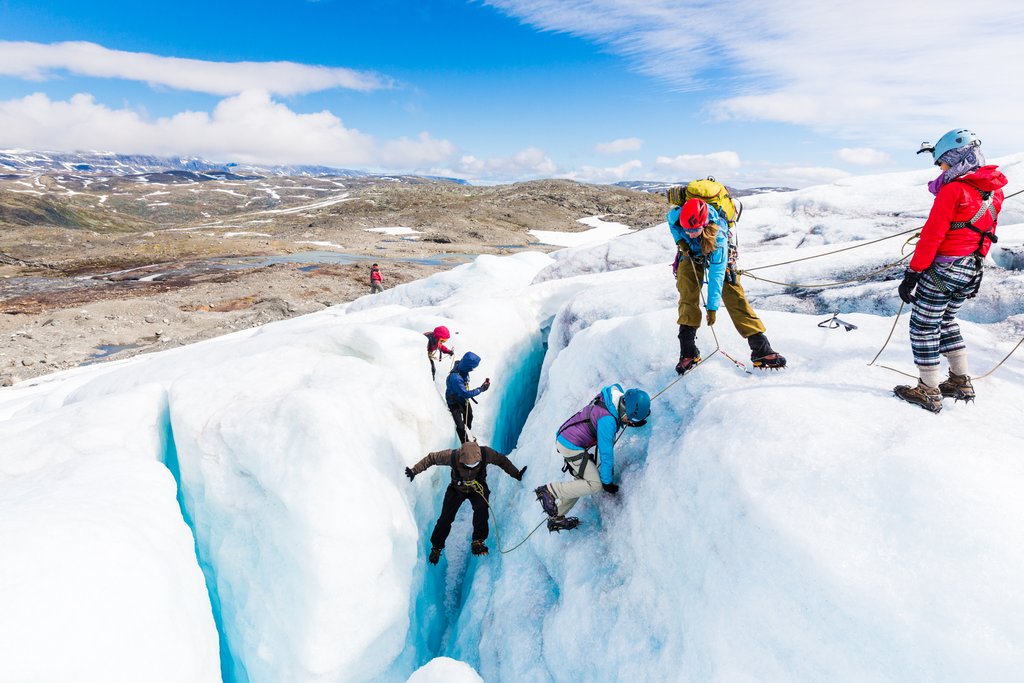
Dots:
{"x": 595, "y": 426}
{"x": 458, "y": 394}
{"x": 947, "y": 265}
{"x": 436, "y": 348}
{"x": 702, "y": 235}
{"x": 469, "y": 480}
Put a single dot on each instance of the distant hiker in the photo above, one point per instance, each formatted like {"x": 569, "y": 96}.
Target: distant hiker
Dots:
{"x": 469, "y": 469}
{"x": 947, "y": 265}
{"x": 458, "y": 394}
{"x": 587, "y": 443}
{"x": 376, "y": 279}
{"x": 701, "y": 233}
{"x": 435, "y": 346}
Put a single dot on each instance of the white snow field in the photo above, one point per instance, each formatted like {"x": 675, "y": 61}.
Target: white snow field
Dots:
{"x": 237, "y": 510}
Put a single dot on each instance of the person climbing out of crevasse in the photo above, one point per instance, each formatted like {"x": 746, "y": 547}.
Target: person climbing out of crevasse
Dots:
{"x": 436, "y": 339}
{"x": 947, "y": 265}
{"x": 702, "y": 236}
{"x": 469, "y": 480}
{"x": 458, "y": 394}
{"x": 586, "y": 441}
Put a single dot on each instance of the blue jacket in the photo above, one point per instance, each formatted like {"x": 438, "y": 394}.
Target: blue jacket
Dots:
{"x": 717, "y": 261}
{"x": 597, "y": 427}
{"x": 457, "y": 390}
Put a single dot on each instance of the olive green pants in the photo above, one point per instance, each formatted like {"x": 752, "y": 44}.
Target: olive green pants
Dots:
{"x": 734, "y": 299}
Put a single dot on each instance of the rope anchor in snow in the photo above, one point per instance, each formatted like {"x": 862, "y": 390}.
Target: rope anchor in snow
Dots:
{"x": 835, "y": 322}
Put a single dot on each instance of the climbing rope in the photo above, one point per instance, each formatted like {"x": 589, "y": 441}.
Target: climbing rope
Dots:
{"x": 479, "y": 489}
{"x": 829, "y": 253}
{"x": 907, "y": 374}
{"x": 837, "y": 251}
{"x": 860, "y": 278}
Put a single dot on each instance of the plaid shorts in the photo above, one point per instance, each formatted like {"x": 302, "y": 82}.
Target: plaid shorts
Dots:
{"x": 941, "y": 292}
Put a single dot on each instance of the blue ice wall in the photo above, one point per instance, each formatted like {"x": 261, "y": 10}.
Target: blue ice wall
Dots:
{"x": 231, "y": 668}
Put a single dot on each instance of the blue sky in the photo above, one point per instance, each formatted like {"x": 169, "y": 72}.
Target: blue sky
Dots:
{"x": 752, "y": 91}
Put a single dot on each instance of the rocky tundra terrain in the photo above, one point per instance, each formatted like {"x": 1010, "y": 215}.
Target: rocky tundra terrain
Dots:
{"x": 96, "y": 266}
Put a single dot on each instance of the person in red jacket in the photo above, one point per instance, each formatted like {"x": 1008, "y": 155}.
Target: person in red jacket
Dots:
{"x": 436, "y": 348}
{"x": 376, "y": 279}
{"x": 947, "y": 265}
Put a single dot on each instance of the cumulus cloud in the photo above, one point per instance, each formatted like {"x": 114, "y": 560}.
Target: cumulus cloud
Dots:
{"x": 831, "y": 66}
{"x": 249, "y": 127}
{"x": 40, "y": 61}
{"x": 863, "y": 156}
{"x": 531, "y": 162}
{"x": 606, "y": 175}
{"x": 620, "y": 145}
{"x": 700, "y": 164}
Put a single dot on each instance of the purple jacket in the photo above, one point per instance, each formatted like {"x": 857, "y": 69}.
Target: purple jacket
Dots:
{"x": 593, "y": 426}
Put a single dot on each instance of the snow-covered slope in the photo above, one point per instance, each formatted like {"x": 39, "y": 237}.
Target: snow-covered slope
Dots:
{"x": 801, "y": 525}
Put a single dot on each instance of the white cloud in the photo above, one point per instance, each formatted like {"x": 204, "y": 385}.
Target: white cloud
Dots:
{"x": 886, "y": 73}
{"x": 606, "y": 175}
{"x": 620, "y": 145}
{"x": 699, "y": 164}
{"x": 39, "y": 61}
{"x": 780, "y": 175}
{"x": 531, "y": 162}
{"x": 249, "y": 127}
{"x": 863, "y": 156}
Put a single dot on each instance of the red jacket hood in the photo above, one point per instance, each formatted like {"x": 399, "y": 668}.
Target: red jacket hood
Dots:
{"x": 986, "y": 179}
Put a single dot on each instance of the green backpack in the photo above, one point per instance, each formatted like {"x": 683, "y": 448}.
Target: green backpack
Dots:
{"x": 711, "y": 191}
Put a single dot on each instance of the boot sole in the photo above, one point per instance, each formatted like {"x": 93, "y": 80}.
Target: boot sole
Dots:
{"x": 930, "y": 409}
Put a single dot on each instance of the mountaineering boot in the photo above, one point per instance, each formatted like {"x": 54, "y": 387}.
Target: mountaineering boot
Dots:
{"x": 762, "y": 354}
{"x": 686, "y": 364}
{"x": 435, "y": 555}
{"x": 957, "y": 387}
{"x": 479, "y": 548}
{"x": 689, "y": 354}
{"x": 547, "y": 501}
{"x": 929, "y": 398}
{"x": 563, "y": 523}
{"x": 773, "y": 361}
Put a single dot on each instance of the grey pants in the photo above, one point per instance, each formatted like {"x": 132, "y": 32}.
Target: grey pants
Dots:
{"x": 568, "y": 492}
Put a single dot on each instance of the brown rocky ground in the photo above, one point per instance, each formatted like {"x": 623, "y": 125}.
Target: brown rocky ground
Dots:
{"x": 99, "y": 268}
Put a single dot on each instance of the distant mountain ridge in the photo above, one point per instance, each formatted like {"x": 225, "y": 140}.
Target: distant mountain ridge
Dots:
{"x": 109, "y": 163}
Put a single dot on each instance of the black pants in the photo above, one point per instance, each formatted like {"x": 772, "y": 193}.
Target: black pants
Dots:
{"x": 453, "y": 499}
{"x": 462, "y": 414}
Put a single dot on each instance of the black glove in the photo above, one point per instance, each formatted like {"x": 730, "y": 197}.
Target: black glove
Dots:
{"x": 486, "y": 385}
{"x": 519, "y": 477}
{"x": 450, "y": 352}
{"x": 610, "y": 488}
{"x": 910, "y": 279}
{"x": 409, "y": 473}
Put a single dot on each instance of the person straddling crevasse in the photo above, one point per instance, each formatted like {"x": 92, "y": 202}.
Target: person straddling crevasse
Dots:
{"x": 376, "y": 279}
{"x": 469, "y": 469}
{"x": 435, "y": 346}
{"x": 595, "y": 426}
{"x": 457, "y": 393}
{"x": 947, "y": 265}
{"x": 702, "y": 235}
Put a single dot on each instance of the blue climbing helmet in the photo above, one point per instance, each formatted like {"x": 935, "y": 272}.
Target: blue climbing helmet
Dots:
{"x": 635, "y": 406}
{"x": 954, "y": 139}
